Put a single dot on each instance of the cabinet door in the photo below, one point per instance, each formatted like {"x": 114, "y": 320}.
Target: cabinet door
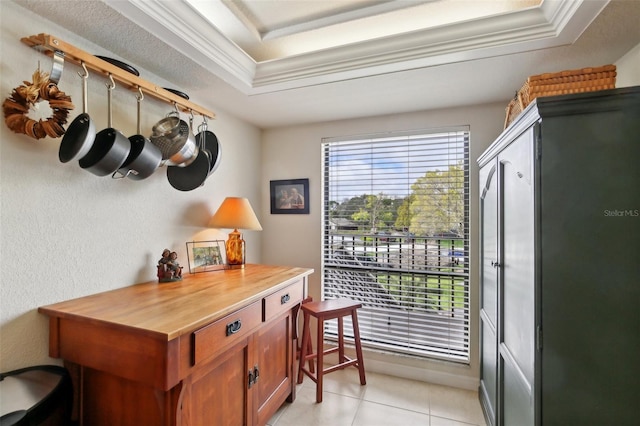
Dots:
{"x": 274, "y": 362}
{"x": 516, "y": 326}
{"x": 489, "y": 288}
{"x": 217, "y": 392}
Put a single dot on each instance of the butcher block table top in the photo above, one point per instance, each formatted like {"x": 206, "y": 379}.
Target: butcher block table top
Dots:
{"x": 169, "y": 310}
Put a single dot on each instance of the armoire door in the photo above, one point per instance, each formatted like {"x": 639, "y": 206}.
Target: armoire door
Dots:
{"x": 489, "y": 289}
{"x": 590, "y": 239}
{"x": 516, "y": 292}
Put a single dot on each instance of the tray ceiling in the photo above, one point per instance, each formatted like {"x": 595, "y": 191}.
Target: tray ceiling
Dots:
{"x": 271, "y": 45}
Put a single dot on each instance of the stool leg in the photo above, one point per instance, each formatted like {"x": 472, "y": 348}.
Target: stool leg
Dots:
{"x": 305, "y": 347}
{"x": 310, "y": 349}
{"x": 308, "y": 299}
{"x": 356, "y": 338}
{"x": 320, "y": 352}
{"x": 340, "y": 340}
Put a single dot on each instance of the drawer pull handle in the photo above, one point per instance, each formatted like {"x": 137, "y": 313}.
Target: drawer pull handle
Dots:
{"x": 284, "y": 299}
{"x": 234, "y": 327}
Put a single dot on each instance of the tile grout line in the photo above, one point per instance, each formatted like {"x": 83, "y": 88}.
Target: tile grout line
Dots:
{"x": 355, "y": 415}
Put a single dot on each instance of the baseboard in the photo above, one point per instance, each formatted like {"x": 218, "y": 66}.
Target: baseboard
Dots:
{"x": 422, "y": 374}
{"x": 400, "y": 366}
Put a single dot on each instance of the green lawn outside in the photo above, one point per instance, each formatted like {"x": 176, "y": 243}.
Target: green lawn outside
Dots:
{"x": 423, "y": 291}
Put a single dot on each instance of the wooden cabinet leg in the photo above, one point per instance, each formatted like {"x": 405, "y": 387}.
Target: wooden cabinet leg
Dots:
{"x": 75, "y": 372}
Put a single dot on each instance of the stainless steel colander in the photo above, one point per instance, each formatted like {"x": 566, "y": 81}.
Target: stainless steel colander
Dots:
{"x": 176, "y": 142}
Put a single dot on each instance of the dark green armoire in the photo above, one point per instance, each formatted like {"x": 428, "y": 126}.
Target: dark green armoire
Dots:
{"x": 560, "y": 264}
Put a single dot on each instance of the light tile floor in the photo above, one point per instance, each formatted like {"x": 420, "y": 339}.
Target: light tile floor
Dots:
{"x": 384, "y": 400}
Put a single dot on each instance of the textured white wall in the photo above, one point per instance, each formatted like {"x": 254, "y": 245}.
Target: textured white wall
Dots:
{"x": 298, "y": 237}
{"x": 628, "y": 68}
{"x": 67, "y": 233}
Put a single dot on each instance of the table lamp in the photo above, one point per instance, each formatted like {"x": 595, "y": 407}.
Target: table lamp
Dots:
{"x": 235, "y": 213}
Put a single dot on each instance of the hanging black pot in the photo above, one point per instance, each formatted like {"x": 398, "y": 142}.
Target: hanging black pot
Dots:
{"x": 110, "y": 148}
{"x": 144, "y": 157}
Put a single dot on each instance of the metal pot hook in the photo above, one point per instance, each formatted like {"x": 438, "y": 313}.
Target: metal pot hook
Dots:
{"x": 139, "y": 98}
{"x": 110, "y": 88}
{"x": 203, "y": 126}
{"x": 85, "y": 76}
{"x": 113, "y": 83}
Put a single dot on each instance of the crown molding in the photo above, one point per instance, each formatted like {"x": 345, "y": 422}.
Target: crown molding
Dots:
{"x": 555, "y": 23}
{"x": 180, "y": 25}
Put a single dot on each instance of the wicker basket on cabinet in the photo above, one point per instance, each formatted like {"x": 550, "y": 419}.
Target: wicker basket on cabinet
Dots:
{"x": 560, "y": 83}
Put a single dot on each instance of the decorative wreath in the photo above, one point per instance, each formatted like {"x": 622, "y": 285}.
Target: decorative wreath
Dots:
{"x": 24, "y": 97}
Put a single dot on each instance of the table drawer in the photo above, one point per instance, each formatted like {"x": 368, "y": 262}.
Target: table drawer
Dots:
{"x": 211, "y": 338}
{"x": 282, "y": 300}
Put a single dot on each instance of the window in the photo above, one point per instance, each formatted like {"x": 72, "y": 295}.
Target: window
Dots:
{"x": 395, "y": 237}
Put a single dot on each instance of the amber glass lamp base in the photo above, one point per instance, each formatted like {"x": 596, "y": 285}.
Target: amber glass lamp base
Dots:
{"x": 235, "y": 249}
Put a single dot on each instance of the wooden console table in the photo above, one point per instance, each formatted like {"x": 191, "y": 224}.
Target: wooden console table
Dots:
{"x": 214, "y": 348}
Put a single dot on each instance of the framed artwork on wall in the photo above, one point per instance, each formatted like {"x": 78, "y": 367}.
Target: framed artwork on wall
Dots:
{"x": 290, "y": 196}
{"x": 206, "y": 256}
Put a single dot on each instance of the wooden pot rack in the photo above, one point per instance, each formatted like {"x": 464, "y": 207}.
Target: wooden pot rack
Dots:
{"x": 49, "y": 45}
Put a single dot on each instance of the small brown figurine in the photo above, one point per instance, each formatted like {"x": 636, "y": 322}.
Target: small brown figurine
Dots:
{"x": 168, "y": 267}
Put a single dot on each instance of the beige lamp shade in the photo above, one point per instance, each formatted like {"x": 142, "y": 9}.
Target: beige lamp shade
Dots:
{"x": 235, "y": 213}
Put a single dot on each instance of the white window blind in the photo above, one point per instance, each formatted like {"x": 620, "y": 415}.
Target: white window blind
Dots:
{"x": 395, "y": 237}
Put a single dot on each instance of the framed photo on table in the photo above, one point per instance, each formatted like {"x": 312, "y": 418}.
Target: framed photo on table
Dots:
{"x": 290, "y": 196}
{"x": 206, "y": 256}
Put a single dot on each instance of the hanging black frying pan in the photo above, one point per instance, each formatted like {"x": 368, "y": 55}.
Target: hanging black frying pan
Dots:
{"x": 79, "y": 137}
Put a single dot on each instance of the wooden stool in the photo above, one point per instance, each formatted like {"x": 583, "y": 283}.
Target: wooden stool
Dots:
{"x": 327, "y": 310}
